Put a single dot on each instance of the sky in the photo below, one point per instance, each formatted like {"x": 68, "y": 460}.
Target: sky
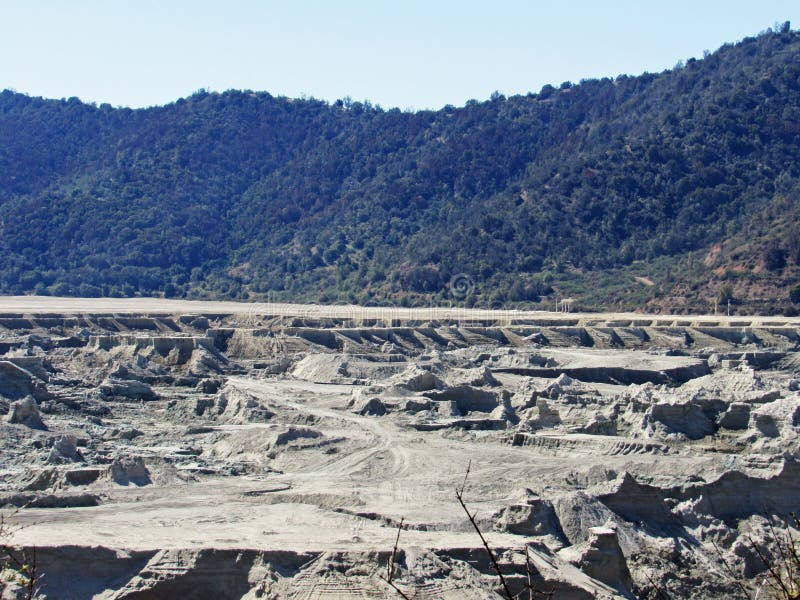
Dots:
{"x": 414, "y": 54}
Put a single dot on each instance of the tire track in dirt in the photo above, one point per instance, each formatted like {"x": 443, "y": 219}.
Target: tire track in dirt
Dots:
{"x": 385, "y": 437}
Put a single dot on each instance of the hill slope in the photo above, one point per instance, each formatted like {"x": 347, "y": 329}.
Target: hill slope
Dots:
{"x": 668, "y": 190}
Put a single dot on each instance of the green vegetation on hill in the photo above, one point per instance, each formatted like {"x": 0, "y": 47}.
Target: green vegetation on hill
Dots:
{"x": 662, "y": 190}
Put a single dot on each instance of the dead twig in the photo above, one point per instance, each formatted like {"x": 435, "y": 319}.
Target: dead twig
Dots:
{"x": 529, "y": 587}
{"x": 528, "y": 570}
{"x": 661, "y": 592}
{"x": 464, "y": 483}
{"x": 776, "y": 581}
{"x": 783, "y": 570}
{"x": 471, "y": 517}
{"x": 735, "y": 577}
{"x": 391, "y": 564}
{"x": 22, "y": 563}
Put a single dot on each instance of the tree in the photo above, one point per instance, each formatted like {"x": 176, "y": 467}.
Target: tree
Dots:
{"x": 725, "y": 295}
{"x": 774, "y": 257}
{"x": 60, "y": 289}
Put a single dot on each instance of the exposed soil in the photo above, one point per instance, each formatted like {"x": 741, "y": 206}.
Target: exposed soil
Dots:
{"x": 163, "y": 449}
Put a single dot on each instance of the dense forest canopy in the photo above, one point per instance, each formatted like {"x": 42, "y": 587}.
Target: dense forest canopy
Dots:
{"x": 670, "y": 190}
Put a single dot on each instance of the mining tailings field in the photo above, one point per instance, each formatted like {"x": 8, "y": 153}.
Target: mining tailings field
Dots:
{"x": 178, "y": 449}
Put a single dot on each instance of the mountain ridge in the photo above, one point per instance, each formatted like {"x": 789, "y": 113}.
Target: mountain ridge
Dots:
{"x": 687, "y": 179}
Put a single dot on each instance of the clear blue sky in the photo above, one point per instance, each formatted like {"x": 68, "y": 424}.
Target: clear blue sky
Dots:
{"x": 408, "y": 54}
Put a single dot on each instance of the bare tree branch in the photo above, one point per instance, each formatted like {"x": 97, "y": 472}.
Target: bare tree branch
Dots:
{"x": 471, "y": 517}
{"x": 731, "y": 572}
{"x": 391, "y": 564}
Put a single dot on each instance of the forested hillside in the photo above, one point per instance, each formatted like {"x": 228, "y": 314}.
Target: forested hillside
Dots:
{"x": 670, "y": 190}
